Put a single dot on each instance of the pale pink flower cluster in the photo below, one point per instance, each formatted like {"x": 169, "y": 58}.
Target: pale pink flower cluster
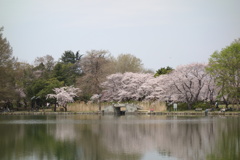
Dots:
{"x": 64, "y": 95}
{"x": 186, "y": 83}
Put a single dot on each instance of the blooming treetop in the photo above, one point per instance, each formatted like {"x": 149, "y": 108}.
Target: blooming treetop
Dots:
{"x": 189, "y": 83}
{"x": 120, "y": 87}
{"x": 64, "y": 95}
{"x": 133, "y": 86}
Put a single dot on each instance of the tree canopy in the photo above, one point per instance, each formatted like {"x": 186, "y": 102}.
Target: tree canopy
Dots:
{"x": 64, "y": 95}
{"x": 96, "y": 66}
{"x": 70, "y": 57}
{"x": 163, "y": 71}
{"x": 128, "y": 63}
{"x": 188, "y": 84}
{"x": 224, "y": 66}
{"x": 122, "y": 78}
{"x": 7, "y": 83}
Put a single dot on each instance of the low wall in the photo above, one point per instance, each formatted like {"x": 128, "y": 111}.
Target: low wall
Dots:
{"x": 83, "y": 107}
{"x": 93, "y": 107}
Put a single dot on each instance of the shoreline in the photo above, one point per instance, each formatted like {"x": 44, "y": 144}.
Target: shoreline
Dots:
{"x": 173, "y": 113}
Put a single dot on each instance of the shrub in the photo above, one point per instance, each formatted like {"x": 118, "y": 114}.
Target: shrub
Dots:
{"x": 203, "y": 105}
{"x": 182, "y": 106}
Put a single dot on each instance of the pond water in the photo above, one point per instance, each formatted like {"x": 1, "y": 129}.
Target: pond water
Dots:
{"x": 94, "y": 137}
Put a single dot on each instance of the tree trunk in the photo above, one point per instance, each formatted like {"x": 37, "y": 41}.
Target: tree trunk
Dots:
{"x": 65, "y": 107}
{"x": 99, "y": 106}
{"x": 189, "y": 106}
{"x": 19, "y": 104}
{"x": 25, "y": 103}
{"x": 55, "y": 105}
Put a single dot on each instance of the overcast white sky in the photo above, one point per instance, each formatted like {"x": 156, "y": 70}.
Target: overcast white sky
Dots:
{"x": 159, "y": 32}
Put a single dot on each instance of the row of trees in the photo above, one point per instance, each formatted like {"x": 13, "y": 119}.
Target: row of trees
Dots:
{"x": 219, "y": 80}
{"x": 25, "y": 84}
{"x": 122, "y": 78}
{"x": 189, "y": 84}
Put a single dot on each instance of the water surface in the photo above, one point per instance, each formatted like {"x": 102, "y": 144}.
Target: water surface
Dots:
{"x": 94, "y": 137}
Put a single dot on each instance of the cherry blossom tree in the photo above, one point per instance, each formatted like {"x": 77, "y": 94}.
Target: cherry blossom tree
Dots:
{"x": 127, "y": 86}
{"x": 190, "y": 83}
{"x": 131, "y": 83}
{"x": 135, "y": 86}
{"x": 210, "y": 90}
{"x": 156, "y": 88}
{"x": 64, "y": 95}
{"x": 112, "y": 86}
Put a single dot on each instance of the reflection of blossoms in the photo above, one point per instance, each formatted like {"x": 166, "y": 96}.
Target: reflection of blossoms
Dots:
{"x": 65, "y": 131}
{"x": 64, "y": 95}
{"x": 163, "y": 134}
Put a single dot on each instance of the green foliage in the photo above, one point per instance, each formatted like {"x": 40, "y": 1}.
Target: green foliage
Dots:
{"x": 66, "y": 72}
{"x": 227, "y": 146}
{"x": 41, "y": 67}
{"x": 6, "y": 58}
{"x": 181, "y": 106}
{"x": 35, "y": 87}
{"x": 41, "y": 87}
{"x": 49, "y": 85}
{"x": 224, "y": 66}
{"x": 47, "y": 62}
{"x": 7, "y": 84}
{"x": 84, "y": 97}
{"x": 163, "y": 70}
{"x": 41, "y": 71}
{"x": 184, "y": 106}
{"x": 128, "y": 63}
{"x": 203, "y": 105}
{"x": 70, "y": 57}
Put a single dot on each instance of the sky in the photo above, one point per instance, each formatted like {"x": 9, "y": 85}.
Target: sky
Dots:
{"x": 159, "y": 32}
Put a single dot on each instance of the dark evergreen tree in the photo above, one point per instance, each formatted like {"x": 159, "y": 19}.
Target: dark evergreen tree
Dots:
{"x": 163, "y": 71}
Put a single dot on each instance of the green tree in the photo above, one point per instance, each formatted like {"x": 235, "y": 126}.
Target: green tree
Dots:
{"x": 224, "y": 66}
{"x": 163, "y": 71}
{"x": 44, "y": 67}
{"x": 66, "y": 72}
{"x": 23, "y": 74}
{"x": 49, "y": 85}
{"x": 128, "y": 63}
{"x": 7, "y": 84}
{"x": 70, "y": 57}
{"x": 40, "y": 88}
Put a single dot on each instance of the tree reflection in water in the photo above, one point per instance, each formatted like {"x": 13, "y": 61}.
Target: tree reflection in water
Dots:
{"x": 92, "y": 137}
{"x": 227, "y": 146}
